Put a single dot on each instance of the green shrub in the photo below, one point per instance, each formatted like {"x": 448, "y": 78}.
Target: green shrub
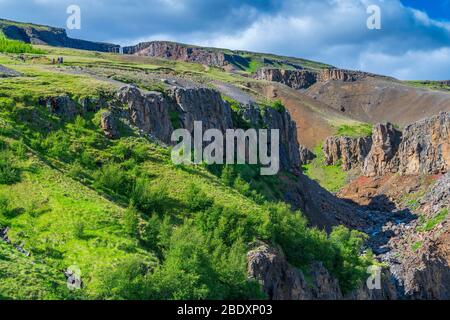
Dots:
{"x": 112, "y": 177}
{"x": 131, "y": 221}
{"x": 8, "y": 173}
{"x": 197, "y": 199}
{"x": 57, "y": 145}
{"x": 79, "y": 229}
{"x": 149, "y": 198}
{"x": 14, "y": 46}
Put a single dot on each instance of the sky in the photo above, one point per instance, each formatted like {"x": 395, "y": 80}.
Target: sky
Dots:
{"x": 412, "y": 44}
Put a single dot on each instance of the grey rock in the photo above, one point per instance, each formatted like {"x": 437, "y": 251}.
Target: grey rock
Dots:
{"x": 306, "y": 155}
{"x": 383, "y": 157}
{"x": 351, "y": 152}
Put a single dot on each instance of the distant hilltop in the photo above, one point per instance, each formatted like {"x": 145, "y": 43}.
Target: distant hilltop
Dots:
{"x": 46, "y": 35}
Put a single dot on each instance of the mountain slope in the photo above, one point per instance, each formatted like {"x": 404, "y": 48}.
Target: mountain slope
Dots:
{"x": 231, "y": 60}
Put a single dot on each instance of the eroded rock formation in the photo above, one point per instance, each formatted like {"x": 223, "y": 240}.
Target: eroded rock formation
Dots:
{"x": 297, "y": 79}
{"x": 422, "y": 148}
{"x": 425, "y": 146}
{"x": 281, "y": 281}
{"x": 158, "y": 115}
{"x": 109, "y": 125}
{"x": 182, "y": 52}
{"x": 383, "y": 156}
{"x": 350, "y": 151}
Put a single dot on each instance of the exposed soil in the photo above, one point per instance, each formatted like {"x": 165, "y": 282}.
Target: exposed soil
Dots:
{"x": 379, "y": 100}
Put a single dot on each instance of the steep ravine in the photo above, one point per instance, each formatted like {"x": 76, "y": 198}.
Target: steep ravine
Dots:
{"x": 390, "y": 229}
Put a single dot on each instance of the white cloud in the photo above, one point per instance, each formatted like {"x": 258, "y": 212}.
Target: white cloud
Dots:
{"x": 409, "y": 45}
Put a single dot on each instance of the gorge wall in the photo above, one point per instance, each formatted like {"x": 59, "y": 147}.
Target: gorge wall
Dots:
{"x": 422, "y": 148}
{"x": 303, "y": 79}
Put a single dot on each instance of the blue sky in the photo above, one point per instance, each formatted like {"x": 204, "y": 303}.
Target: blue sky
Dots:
{"x": 413, "y": 43}
{"x": 436, "y": 9}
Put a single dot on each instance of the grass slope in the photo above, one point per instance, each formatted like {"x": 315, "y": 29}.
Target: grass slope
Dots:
{"x": 136, "y": 225}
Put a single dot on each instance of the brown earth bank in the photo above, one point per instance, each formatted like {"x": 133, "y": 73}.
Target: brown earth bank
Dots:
{"x": 376, "y": 100}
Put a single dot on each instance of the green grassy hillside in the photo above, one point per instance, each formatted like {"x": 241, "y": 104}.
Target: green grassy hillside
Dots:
{"x": 137, "y": 226}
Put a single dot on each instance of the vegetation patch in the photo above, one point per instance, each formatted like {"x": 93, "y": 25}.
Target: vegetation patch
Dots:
{"x": 355, "y": 131}
{"x": 15, "y": 46}
{"x": 332, "y": 178}
{"x": 430, "y": 224}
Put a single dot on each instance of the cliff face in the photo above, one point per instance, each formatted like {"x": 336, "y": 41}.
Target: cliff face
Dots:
{"x": 340, "y": 75}
{"x": 180, "y": 52}
{"x": 303, "y": 79}
{"x": 351, "y": 151}
{"x": 43, "y": 35}
{"x": 157, "y": 115}
{"x": 297, "y": 79}
{"x": 425, "y": 146}
{"x": 422, "y": 148}
{"x": 383, "y": 156}
{"x": 281, "y": 281}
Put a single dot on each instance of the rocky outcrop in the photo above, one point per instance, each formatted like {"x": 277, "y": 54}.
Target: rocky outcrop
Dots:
{"x": 383, "y": 156}
{"x": 108, "y": 124}
{"x": 62, "y": 106}
{"x": 182, "y": 52}
{"x": 297, "y": 79}
{"x": 150, "y": 112}
{"x": 155, "y": 114}
{"x": 422, "y": 148}
{"x": 201, "y": 104}
{"x": 306, "y": 155}
{"x": 351, "y": 152}
{"x": 270, "y": 118}
{"x": 425, "y": 147}
{"x": 44, "y": 35}
{"x": 419, "y": 254}
{"x": 281, "y": 281}
{"x": 340, "y": 75}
